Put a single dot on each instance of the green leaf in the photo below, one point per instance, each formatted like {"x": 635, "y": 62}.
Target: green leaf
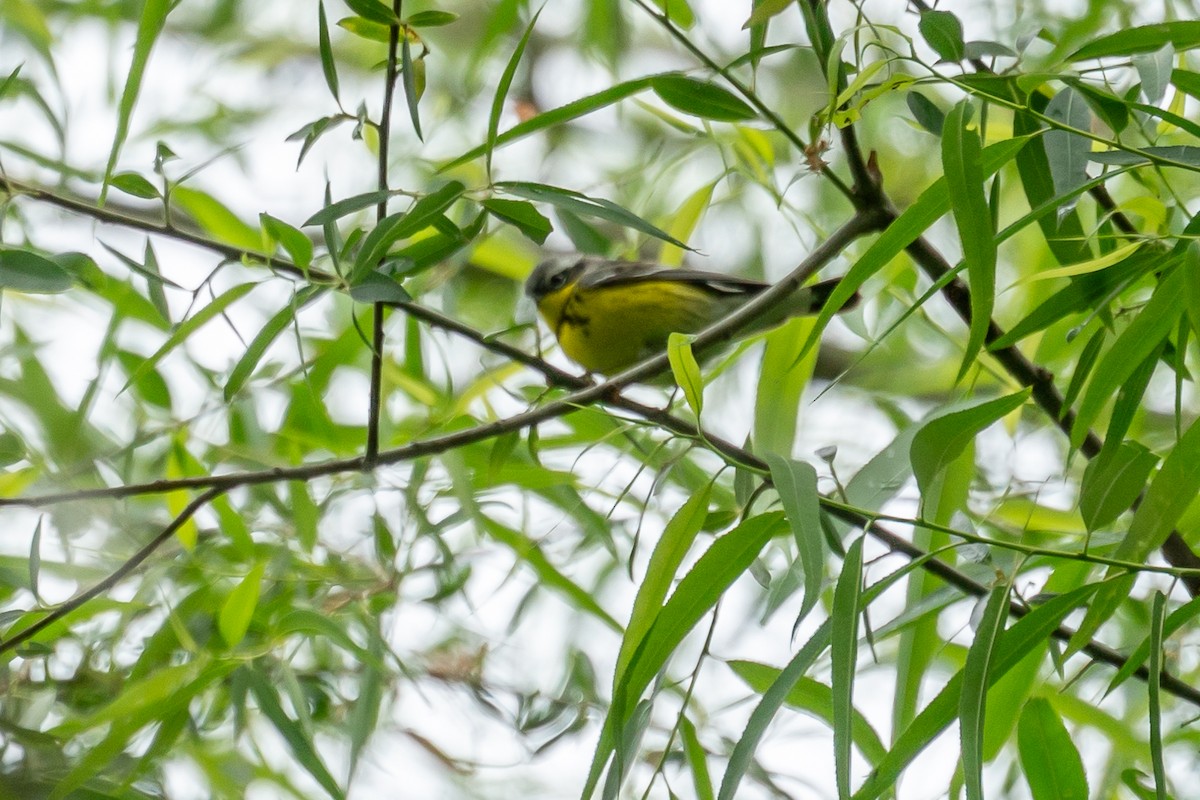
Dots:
{"x": 150, "y": 25}
{"x": 904, "y": 230}
{"x": 944, "y": 33}
{"x": 346, "y": 206}
{"x": 266, "y": 335}
{"x": 587, "y": 206}
{"x": 686, "y": 370}
{"x": 190, "y": 326}
{"x": 25, "y": 271}
{"x": 1154, "y": 69}
{"x": 328, "y": 64}
{"x": 697, "y": 760}
{"x": 1049, "y": 759}
{"x": 412, "y": 93}
{"x": 1067, "y": 152}
{"x": 1147, "y": 331}
{"x": 299, "y": 741}
{"x": 677, "y": 538}
{"x": 374, "y": 11}
{"x": 522, "y": 215}
{"x": 238, "y": 608}
{"x": 1143, "y": 39}
{"x": 1186, "y": 81}
{"x": 1178, "y": 618}
{"x": 431, "y": 19}
{"x": 847, "y": 597}
{"x": 1183, "y": 153}
{"x": 962, "y": 161}
{"x": 375, "y": 287}
{"x": 1112, "y": 482}
{"x": 1158, "y": 606}
{"x": 796, "y": 482}
{"x": 700, "y": 99}
{"x": 557, "y": 116}
{"x": 976, "y": 678}
{"x": 724, "y": 561}
{"x": 926, "y": 113}
{"x": 944, "y": 438}
{"x": 216, "y": 219}
{"x": 506, "y": 79}
{"x": 298, "y": 246}
{"x": 549, "y": 575}
{"x": 134, "y": 184}
{"x": 815, "y": 698}
{"x": 1027, "y": 633}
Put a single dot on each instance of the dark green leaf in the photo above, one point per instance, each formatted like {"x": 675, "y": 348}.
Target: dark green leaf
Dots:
{"x": 1112, "y": 482}
{"x": 1181, "y": 35}
{"x": 847, "y": 597}
{"x": 374, "y": 287}
{"x": 431, "y": 19}
{"x": 1049, "y": 759}
{"x": 944, "y": 34}
{"x": 587, "y": 206}
{"x": 521, "y": 215}
{"x": 374, "y": 11}
{"x": 25, "y": 271}
{"x": 976, "y": 678}
{"x": 1067, "y": 152}
{"x": 796, "y": 483}
{"x": 926, "y": 113}
{"x": 328, "y": 64}
{"x": 346, "y": 206}
{"x": 944, "y": 438}
{"x": 412, "y": 92}
{"x": 704, "y": 100}
{"x": 506, "y": 79}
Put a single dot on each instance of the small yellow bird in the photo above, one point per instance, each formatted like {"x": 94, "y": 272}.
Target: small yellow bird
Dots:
{"x": 609, "y": 315}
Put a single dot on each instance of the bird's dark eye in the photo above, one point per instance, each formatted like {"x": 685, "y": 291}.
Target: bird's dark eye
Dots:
{"x": 557, "y": 280}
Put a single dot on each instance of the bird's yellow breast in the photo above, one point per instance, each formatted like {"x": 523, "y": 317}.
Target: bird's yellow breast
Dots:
{"x": 609, "y": 328}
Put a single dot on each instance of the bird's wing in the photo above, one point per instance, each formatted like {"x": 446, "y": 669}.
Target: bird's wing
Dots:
{"x": 619, "y": 273}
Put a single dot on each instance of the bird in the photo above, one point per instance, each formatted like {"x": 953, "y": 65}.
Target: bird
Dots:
{"x": 609, "y": 315}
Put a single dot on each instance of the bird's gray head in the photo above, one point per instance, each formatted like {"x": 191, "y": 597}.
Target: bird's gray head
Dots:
{"x": 553, "y": 274}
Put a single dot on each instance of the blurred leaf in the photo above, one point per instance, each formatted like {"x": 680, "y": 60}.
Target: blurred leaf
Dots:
{"x": 412, "y": 89}
{"x": 926, "y": 112}
{"x": 704, "y": 100}
{"x": 150, "y": 24}
{"x": 431, "y": 19}
{"x": 976, "y": 679}
{"x": 502, "y": 87}
{"x": 1158, "y": 605}
{"x": 764, "y": 10}
{"x": 1155, "y": 71}
{"x": 298, "y": 246}
{"x": 1067, "y": 152}
{"x": 349, "y": 205}
{"x": 238, "y": 608}
{"x": 521, "y": 215}
{"x": 374, "y": 11}
{"x": 847, "y": 598}
{"x": 216, "y": 219}
{"x": 1181, "y": 35}
{"x": 1112, "y": 482}
{"x": 944, "y": 33}
{"x": 26, "y": 271}
{"x": 685, "y": 370}
{"x": 587, "y": 206}
{"x": 325, "y": 48}
{"x": 134, "y": 184}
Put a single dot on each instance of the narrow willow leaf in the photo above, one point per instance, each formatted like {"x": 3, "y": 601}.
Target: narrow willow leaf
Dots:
{"x": 1158, "y": 606}
{"x": 1171, "y": 492}
{"x": 796, "y": 483}
{"x": 677, "y": 538}
{"x": 847, "y": 597}
{"x": 374, "y": 11}
{"x": 1178, "y": 618}
{"x": 556, "y": 116}
{"x": 190, "y": 326}
{"x": 216, "y": 218}
{"x": 506, "y": 79}
{"x": 1112, "y": 482}
{"x": 697, "y": 760}
{"x": 962, "y": 162}
{"x": 1067, "y": 152}
{"x": 328, "y": 64}
{"x": 700, "y": 99}
{"x": 299, "y": 741}
{"x": 785, "y": 372}
{"x": 976, "y": 679}
{"x": 764, "y": 10}
{"x": 1027, "y": 633}
{"x": 1132, "y": 347}
{"x": 815, "y": 698}
{"x": 408, "y": 76}
{"x": 926, "y": 210}
{"x": 944, "y": 438}
{"x": 1049, "y": 758}
{"x": 266, "y": 335}
{"x": 587, "y": 206}
{"x": 238, "y": 609}
{"x": 724, "y": 561}
{"x": 686, "y": 370}
{"x": 26, "y": 271}
{"x": 150, "y": 26}
{"x": 549, "y": 575}
{"x": 1143, "y": 39}
{"x": 522, "y": 215}
{"x": 1154, "y": 68}
{"x": 926, "y": 113}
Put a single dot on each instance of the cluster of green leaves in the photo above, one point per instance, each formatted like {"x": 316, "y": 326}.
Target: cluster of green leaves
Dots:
{"x": 278, "y": 608}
